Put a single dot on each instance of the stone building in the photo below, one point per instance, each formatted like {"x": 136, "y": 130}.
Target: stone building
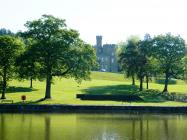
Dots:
{"x": 106, "y": 56}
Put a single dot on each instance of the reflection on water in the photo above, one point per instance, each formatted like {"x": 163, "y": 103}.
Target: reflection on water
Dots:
{"x": 92, "y": 127}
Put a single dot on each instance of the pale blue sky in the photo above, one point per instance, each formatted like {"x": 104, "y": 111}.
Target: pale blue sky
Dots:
{"x": 115, "y": 20}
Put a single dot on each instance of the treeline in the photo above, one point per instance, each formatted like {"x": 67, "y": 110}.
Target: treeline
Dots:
{"x": 46, "y": 49}
{"x": 162, "y": 55}
{"x": 49, "y": 48}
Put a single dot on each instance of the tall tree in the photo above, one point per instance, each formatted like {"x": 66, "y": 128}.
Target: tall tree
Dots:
{"x": 128, "y": 57}
{"x": 169, "y": 50}
{"x": 141, "y": 62}
{"x": 147, "y": 65}
{"x": 27, "y": 66}
{"x": 10, "y": 48}
{"x": 59, "y": 50}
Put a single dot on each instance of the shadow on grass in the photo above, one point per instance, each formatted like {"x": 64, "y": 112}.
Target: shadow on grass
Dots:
{"x": 38, "y": 101}
{"x": 148, "y": 96}
{"x": 31, "y": 102}
{"x": 14, "y": 89}
{"x": 161, "y": 81}
{"x": 111, "y": 90}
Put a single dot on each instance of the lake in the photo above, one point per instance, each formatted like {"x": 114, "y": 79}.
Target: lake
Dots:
{"x": 93, "y": 127}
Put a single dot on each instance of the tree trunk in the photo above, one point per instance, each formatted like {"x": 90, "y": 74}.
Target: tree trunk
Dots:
{"x": 141, "y": 83}
{"x": 31, "y": 82}
{"x": 133, "y": 80}
{"x": 4, "y": 84}
{"x": 147, "y": 81}
{"x": 166, "y": 83}
{"x": 48, "y": 81}
{"x": 48, "y": 87}
{"x": 183, "y": 75}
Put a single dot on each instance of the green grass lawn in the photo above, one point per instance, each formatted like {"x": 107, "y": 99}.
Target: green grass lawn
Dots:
{"x": 64, "y": 90}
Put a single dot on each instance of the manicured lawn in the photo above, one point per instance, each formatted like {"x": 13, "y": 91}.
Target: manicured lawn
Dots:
{"x": 64, "y": 90}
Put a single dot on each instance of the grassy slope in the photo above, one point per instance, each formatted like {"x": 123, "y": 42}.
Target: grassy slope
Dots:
{"x": 64, "y": 90}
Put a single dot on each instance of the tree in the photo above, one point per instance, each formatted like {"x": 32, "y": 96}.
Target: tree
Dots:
{"x": 128, "y": 57}
{"x": 184, "y": 65}
{"x": 59, "y": 50}
{"x": 141, "y": 62}
{"x": 27, "y": 66}
{"x": 151, "y": 69}
{"x": 169, "y": 50}
{"x": 4, "y": 31}
{"x": 10, "y": 48}
{"x": 148, "y": 66}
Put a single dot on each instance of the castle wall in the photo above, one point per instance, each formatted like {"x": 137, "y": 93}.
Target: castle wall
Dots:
{"x": 106, "y": 56}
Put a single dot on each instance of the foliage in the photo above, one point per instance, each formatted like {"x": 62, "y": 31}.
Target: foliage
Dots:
{"x": 10, "y": 49}
{"x": 59, "y": 50}
{"x": 4, "y": 31}
{"x": 184, "y": 67}
{"x": 27, "y": 66}
{"x": 153, "y": 96}
{"x": 136, "y": 59}
{"x": 149, "y": 57}
{"x": 128, "y": 58}
{"x": 146, "y": 63}
{"x": 169, "y": 51}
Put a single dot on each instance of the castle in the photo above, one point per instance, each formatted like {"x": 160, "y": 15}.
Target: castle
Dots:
{"x": 106, "y": 56}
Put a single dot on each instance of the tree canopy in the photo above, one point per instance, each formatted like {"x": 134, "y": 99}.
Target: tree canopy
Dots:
{"x": 4, "y": 31}
{"x": 128, "y": 57}
{"x": 10, "y": 48}
{"x": 169, "y": 51}
{"x": 59, "y": 50}
{"x": 161, "y": 54}
{"x": 26, "y": 64}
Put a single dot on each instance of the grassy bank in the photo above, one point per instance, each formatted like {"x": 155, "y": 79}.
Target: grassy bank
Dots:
{"x": 64, "y": 90}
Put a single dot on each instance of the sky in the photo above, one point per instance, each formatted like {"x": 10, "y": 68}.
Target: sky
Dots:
{"x": 115, "y": 20}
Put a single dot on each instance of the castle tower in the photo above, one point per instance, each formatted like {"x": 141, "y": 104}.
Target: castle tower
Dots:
{"x": 106, "y": 57}
{"x": 99, "y": 41}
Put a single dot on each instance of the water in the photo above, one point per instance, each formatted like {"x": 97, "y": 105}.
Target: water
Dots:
{"x": 92, "y": 127}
